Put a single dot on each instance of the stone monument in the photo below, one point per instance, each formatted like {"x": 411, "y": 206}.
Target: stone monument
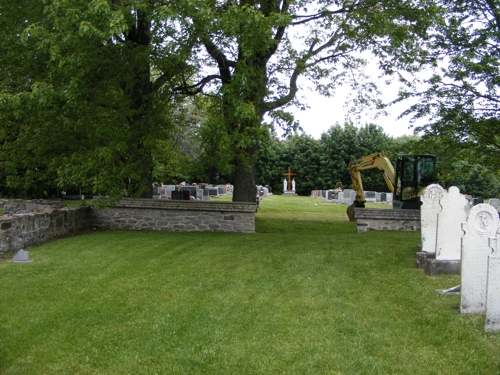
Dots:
{"x": 482, "y": 223}
{"x": 429, "y": 216}
{"x": 492, "y": 322}
{"x": 455, "y": 210}
{"x": 289, "y": 186}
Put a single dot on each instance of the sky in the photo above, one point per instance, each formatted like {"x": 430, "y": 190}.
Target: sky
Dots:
{"x": 325, "y": 112}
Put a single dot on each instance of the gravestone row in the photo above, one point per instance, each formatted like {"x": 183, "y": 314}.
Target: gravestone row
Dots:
{"x": 347, "y": 196}
{"x": 201, "y": 191}
{"x": 457, "y": 233}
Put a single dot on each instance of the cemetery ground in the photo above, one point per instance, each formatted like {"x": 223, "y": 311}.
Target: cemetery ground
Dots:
{"x": 305, "y": 294}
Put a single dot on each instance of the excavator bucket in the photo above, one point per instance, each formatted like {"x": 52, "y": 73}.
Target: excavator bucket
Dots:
{"x": 350, "y": 209}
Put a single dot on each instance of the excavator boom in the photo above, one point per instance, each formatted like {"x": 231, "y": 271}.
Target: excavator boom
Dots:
{"x": 377, "y": 160}
{"x": 413, "y": 173}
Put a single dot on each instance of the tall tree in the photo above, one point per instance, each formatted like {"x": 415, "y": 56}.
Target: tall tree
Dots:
{"x": 463, "y": 95}
{"x": 258, "y": 49}
{"x": 93, "y": 111}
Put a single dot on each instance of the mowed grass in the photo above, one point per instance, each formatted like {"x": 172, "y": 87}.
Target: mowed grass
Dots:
{"x": 297, "y": 297}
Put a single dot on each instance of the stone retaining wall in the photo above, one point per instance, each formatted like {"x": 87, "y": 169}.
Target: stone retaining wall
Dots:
{"x": 370, "y": 219}
{"x": 21, "y": 206}
{"x": 177, "y": 216}
{"x": 20, "y": 230}
{"x": 36, "y": 222}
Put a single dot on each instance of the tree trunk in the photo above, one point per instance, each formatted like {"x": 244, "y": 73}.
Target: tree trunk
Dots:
{"x": 244, "y": 176}
{"x": 244, "y": 184}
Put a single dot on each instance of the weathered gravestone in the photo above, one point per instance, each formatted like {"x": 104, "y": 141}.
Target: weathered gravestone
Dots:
{"x": 481, "y": 224}
{"x": 429, "y": 216}
{"x": 455, "y": 209}
{"x": 206, "y": 193}
{"x": 492, "y": 322}
{"x": 378, "y": 197}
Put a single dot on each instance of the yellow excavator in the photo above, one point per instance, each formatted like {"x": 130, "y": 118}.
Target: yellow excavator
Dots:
{"x": 413, "y": 173}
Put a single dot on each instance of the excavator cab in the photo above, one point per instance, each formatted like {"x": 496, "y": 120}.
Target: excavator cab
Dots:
{"x": 413, "y": 174}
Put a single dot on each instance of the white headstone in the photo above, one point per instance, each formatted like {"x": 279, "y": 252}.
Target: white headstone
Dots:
{"x": 481, "y": 224}
{"x": 492, "y": 322}
{"x": 455, "y": 209}
{"x": 429, "y": 216}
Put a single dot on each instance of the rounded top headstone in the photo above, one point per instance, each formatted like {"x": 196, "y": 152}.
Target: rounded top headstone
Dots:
{"x": 432, "y": 195}
{"x": 483, "y": 220}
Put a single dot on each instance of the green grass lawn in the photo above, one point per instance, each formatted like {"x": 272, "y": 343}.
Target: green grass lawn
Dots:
{"x": 303, "y": 295}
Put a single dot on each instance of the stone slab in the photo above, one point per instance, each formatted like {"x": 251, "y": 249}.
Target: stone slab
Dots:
{"x": 482, "y": 223}
{"x": 492, "y": 321}
{"x": 455, "y": 209}
{"x": 430, "y": 209}
{"x": 434, "y": 267}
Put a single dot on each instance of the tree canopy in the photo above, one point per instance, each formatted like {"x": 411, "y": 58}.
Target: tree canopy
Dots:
{"x": 462, "y": 95}
{"x": 95, "y": 96}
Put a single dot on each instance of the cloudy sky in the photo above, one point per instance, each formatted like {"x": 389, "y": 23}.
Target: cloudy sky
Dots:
{"x": 325, "y": 112}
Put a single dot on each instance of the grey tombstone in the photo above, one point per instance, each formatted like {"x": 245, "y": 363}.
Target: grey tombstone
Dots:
{"x": 206, "y": 194}
{"x": 213, "y": 192}
{"x": 169, "y": 189}
{"x": 495, "y": 202}
{"x": 455, "y": 209}
{"x": 429, "y": 216}
{"x": 222, "y": 190}
{"x": 330, "y": 195}
{"x": 21, "y": 256}
{"x": 481, "y": 224}
{"x": 266, "y": 191}
{"x": 370, "y": 196}
{"x": 378, "y": 197}
{"x": 340, "y": 196}
{"x": 199, "y": 194}
{"x": 492, "y": 322}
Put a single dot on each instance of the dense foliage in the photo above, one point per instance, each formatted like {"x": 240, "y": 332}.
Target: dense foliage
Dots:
{"x": 322, "y": 164}
{"x": 462, "y": 95}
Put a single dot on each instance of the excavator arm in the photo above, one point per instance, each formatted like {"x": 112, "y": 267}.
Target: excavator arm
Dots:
{"x": 378, "y": 160}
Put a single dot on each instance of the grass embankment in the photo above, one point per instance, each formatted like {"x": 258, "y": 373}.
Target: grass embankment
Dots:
{"x": 304, "y": 295}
